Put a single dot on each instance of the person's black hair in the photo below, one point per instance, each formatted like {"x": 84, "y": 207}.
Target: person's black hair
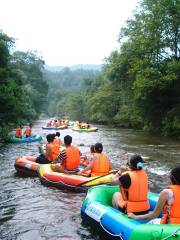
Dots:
{"x": 92, "y": 148}
{"x": 53, "y": 135}
{"x": 58, "y": 134}
{"x": 175, "y": 176}
{"x": 50, "y": 137}
{"x": 67, "y": 139}
{"x": 136, "y": 162}
{"x": 98, "y": 147}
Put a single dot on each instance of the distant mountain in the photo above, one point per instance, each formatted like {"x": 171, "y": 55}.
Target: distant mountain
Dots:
{"x": 95, "y": 67}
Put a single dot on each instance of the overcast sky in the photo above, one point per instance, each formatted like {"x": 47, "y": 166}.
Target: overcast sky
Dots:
{"x": 66, "y": 32}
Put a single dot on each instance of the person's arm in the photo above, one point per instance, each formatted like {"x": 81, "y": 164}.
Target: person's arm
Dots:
{"x": 115, "y": 178}
{"x": 23, "y": 133}
{"x": 62, "y": 156}
{"x": 157, "y": 210}
{"x": 89, "y": 167}
{"x": 48, "y": 151}
{"x": 110, "y": 166}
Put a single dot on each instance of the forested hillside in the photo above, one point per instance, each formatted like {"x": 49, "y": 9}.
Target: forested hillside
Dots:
{"x": 22, "y": 88}
{"x": 139, "y": 85}
{"x": 66, "y": 91}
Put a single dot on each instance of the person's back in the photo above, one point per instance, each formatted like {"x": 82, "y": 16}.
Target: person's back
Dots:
{"x": 136, "y": 201}
{"x": 101, "y": 165}
{"x": 72, "y": 157}
{"x": 18, "y": 132}
{"x": 49, "y": 124}
{"x": 57, "y": 124}
{"x": 133, "y": 195}
{"x": 48, "y": 155}
{"x": 57, "y": 143}
{"x": 28, "y": 131}
{"x": 69, "y": 158}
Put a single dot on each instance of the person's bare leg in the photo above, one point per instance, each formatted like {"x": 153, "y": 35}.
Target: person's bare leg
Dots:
{"x": 115, "y": 199}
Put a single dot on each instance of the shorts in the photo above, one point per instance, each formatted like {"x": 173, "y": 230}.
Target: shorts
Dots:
{"x": 42, "y": 159}
{"x": 154, "y": 221}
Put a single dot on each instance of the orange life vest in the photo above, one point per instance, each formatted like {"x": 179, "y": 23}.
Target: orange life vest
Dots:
{"x": 101, "y": 165}
{"x": 28, "y": 132}
{"x": 57, "y": 124}
{"x": 72, "y": 158}
{"x": 135, "y": 199}
{"x": 18, "y": 133}
{"x": 172, "y": 214}
{"x": 57, "y": 144}
{"x": 52, "y": 156}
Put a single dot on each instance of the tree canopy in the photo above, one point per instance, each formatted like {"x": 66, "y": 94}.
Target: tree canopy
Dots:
{"x": 139, "y": 84}
{"x": 22, "y": 88}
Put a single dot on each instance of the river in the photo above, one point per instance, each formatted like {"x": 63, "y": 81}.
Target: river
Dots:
{"x": 31, "y": 211}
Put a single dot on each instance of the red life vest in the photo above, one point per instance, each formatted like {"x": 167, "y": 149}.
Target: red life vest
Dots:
{"x": 18, "y": 133}
{"x": 101, "y": 165}
{"x": 72, "y": 158}
{"x": 28, "y": 132}
{"x": 137, "y": 193}
{"x": 172, "y": 214}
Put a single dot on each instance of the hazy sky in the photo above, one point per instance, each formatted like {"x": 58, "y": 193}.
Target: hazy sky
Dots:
{"x": 66, "y": 32}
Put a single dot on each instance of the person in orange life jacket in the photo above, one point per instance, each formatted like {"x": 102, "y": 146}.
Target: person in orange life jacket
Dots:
{"x": 100, "y": 164}
{"x": 18, "y": 133}
{"x": 168, "y": 202}
{"x": 27, "y": 131}
{"x": 47, "y": 156}
{"x": 133, "y": 195}
{"x": 49, "y": 124}
{"x": 57, "y": 138}
{"x": 69, "y": 157}
{"x": 57, "y": 143}
{"x": 57, "y": 123}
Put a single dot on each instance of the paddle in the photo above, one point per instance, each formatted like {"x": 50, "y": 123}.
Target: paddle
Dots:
{"x": 123, "y": 169}
{"x": 91, "y": 180}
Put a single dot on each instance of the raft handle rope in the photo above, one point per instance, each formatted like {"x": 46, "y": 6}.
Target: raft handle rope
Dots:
{"x": 114, "y": 235}
{"x": 174, "y": 234}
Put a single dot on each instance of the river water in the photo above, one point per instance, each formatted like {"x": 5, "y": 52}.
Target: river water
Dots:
{"x": 31, "y": 211}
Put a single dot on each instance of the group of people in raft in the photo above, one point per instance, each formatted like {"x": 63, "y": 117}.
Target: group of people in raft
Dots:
{"x": 80, "y": 125}
{"x": 57, "y": 123}
{"x": 27, "y": 132}
{"x": 132, "y": 199}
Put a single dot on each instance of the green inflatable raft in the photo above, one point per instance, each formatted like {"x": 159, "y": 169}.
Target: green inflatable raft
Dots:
{"x": 97, "y": 210}
{"x": 13, "y": 139}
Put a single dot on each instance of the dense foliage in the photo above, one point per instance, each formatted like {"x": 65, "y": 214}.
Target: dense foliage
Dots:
{"x": 22, "y": 88}
{"x": 66, "y": 92}
{"x": 140, "y": 83}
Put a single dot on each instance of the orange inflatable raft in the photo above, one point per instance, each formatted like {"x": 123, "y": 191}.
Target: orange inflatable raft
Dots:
{"x": 26, "y": 166}
{"x": 70, "y": 181}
